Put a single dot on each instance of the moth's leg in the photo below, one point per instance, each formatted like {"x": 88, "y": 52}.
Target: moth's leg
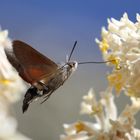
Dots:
{"x": 46, "y": 96}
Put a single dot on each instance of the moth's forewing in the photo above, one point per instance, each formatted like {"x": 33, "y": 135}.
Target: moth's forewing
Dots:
{"x": 30, "y": 64}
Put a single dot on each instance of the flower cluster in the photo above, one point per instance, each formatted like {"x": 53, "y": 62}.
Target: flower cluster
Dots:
{"x": 11, "y": 89}
{"x": 108, "y": 125}
{"x": 121, "y": 45}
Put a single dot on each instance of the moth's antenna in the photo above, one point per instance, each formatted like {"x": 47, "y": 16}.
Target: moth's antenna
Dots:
{"x": 72, "y": 50}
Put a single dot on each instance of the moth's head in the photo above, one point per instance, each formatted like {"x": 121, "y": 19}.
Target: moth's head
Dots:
{"x": 73, "y": 65}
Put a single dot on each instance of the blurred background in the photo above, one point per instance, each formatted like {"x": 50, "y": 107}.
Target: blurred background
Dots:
{"x": 51, "y": 27}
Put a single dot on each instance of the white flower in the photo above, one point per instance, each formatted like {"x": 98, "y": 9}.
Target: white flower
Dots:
{"x": 89, "y": 99}
{"x": 11, "y": 89}
{"x": 109, "y": 125}
{"x": 10, "y": 82}
{"x": 121, "y": 45}
{"x": 4, "y": 40}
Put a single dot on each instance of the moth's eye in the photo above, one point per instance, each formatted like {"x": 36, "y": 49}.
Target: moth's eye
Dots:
{"x": 71, "y": 65}
{"x": 74, "y": 64}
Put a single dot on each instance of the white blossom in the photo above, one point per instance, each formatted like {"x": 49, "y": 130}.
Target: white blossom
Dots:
{"x": 121, "y": 45}
{"x": 108, "y": 125}
{"x": 11, "y": 89}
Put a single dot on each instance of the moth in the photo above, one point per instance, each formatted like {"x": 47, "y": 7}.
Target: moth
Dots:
{"x": 43, "y": 74}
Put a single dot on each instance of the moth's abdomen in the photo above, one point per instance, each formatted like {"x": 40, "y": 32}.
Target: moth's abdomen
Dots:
{"x": 30, "y": 95}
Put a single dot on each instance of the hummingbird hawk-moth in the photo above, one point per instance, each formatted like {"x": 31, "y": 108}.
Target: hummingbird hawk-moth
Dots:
{"x": 44, "y": 75}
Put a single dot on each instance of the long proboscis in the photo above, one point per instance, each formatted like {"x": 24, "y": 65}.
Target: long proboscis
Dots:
{"x": 95, "y": 62}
